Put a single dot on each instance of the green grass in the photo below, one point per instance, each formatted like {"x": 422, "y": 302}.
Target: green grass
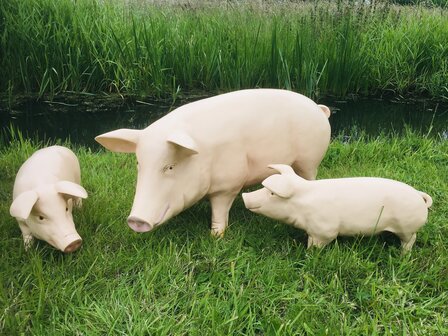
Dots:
{"x": 259, "y": 279}
{"x": 316, "y": 48}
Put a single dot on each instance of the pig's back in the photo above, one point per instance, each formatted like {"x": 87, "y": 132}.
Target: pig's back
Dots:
{"x": 255, "y": 112}
{"x": 264, "y": 126}
{"x": 47, "y": 165}
{"x": 359, "y": 202}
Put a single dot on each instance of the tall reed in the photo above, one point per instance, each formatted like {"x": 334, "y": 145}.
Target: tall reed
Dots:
{"x": 92, "y": 45}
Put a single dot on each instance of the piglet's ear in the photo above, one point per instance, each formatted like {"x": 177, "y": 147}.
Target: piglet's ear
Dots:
{"x": 23, "y": 204}
{"x": 71, "y": 189}
{"x": 122, "y": 140}
{"x": 184, "y": 142}
{"x": 279, "y": 185}
{"x": 283, "y": 169}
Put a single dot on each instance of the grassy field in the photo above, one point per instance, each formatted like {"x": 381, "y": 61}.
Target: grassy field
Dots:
{"x": 258, "y": 280}
{"x": 315, "y": 48}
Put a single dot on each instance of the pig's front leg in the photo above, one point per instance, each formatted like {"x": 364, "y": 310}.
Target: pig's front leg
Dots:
{"x": 27, "y": 236}
{"x": 407, "y": 241}
{"x": 220, "y": 204}
{"x": 317, "y": 242}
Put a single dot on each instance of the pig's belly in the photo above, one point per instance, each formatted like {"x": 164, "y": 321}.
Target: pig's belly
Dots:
{"x": 366, "y": 227}
{"x": 252, "y": 180}
{"x": 257, "y": 172}
{"x": 373, "y": 220}
{"x": 260, "y": 156}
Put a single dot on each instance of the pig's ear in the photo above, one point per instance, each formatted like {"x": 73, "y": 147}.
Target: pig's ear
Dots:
{"x": 23, "y": 204}
{"x": 122, "y": 140}
{"x": 283, "y": 169}
{"x": 183, "y": 142}
{"x": 279, "y": 185}
{"x": 71, "y": 189}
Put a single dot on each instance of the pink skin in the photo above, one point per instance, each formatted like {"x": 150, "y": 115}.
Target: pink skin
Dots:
{"x": 155, "y": 200}
{"x": 67, "y": 244}
{"x": 73, "y": 246}
{"x": 140, "y": 225}
{"x": 46, "y": 188}
{"x": 186, "y": 156}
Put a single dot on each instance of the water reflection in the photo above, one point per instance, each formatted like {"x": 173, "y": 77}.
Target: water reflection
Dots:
{"x": 82, "y": 119}
{"x": 374, "y": 117}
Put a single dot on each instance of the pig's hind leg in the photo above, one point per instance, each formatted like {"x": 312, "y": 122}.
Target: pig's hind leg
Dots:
{"x": 220, "y": 204}
{"x": 306, "y": 170}
{"x": 308, "y": 160}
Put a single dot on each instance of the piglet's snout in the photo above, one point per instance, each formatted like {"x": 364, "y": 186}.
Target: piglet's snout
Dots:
{"x": 250, "y": 200}
{"x": 139, "y": 225}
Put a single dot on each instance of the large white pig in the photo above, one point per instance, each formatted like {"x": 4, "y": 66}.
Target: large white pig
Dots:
{"x": 344, "y": 206}
{"x": 46, "y": 187}
{"x": 216, "y": 146}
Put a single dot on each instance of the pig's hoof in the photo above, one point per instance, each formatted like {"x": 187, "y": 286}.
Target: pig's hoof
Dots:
{"x": 217, "y": 233}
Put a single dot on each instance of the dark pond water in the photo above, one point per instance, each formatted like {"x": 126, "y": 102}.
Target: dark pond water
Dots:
{"x": 81, "y": 118}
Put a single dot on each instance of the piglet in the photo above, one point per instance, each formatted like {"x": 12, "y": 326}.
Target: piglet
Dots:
{"x": 344, "y": 206}
{"x": 45, "y": 190}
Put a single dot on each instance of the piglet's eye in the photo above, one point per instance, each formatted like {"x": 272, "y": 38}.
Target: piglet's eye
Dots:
{"x": 169, "y": 167}
{"x": 66, "y": 209}
{"x": 272, "y": 194}
{"x": 41, "y": 217}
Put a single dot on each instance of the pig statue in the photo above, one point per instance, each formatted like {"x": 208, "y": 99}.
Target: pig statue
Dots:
{"x": 344, "y": 206}
{"x": 45, "y": 190}
{"x": 216, "y": 146}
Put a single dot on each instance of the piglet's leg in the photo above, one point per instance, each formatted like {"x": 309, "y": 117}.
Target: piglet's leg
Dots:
{"x": 317, "y": 242}
{"x": 27, "y": 236}
{"x": 221, "y": 204}
{"x": 407, "y": 241}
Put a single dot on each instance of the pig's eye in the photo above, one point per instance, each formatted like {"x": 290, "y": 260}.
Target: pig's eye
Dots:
{"x": 272, "y": 194}
{"x": 66, "y": 209}
{"x": 41, "y": 217}
{"x": 168, "y": 168}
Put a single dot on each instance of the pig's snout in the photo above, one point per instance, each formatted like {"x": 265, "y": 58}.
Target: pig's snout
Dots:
{"x": 69, "y": 243}
{"x": 249, "y": 201}
{"x": 139, "y": 225}
{"x": 73, "y": 246}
